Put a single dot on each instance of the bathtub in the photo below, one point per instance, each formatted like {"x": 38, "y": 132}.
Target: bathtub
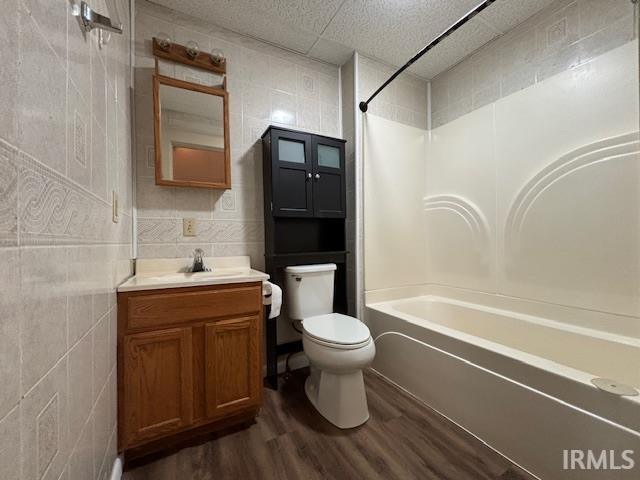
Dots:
{"x": 521, "y": 382}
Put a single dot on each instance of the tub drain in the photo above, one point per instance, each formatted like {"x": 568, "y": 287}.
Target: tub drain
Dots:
{"x": 616, "y": 388}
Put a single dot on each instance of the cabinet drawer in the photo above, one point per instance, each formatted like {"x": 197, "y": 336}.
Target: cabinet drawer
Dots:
{"x": 175, "y": 307}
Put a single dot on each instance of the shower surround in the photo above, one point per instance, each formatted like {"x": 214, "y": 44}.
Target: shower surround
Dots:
{"x": 521, "y": 201}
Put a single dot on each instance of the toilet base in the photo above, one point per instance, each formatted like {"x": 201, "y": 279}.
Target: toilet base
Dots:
{"x": 340, "y": 398}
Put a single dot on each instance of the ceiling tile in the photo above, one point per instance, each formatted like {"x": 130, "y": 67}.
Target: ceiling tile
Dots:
{"x": 313, "y": 15}
{"x": 393, "y": 30}
{"x": 245, "y": 17}
{"x": 457, "y": 46}
{"x": 331, "y": 52}
{"x": 389, "y": 30}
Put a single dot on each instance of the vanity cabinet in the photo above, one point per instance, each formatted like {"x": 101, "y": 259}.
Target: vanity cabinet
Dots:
{"x": 189, "y": 361}
{"x": 307, "y": 174}
{"x": 231, "y": 364}
{"x": 158, "y": 380}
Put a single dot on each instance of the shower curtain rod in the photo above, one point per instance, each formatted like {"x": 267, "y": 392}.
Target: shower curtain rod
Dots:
{"x": 365, "y": 105}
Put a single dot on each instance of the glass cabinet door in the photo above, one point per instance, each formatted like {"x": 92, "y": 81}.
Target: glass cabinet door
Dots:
{"x": 329, "y": 198}
{"x": 328, "y": 156}
{"x": 291, "y": 150}
{"x": 292, "y": 174}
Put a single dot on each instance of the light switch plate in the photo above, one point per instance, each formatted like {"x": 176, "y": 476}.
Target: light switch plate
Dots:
{"x": 189, "y": 227}
{"x": 114, "y": 206}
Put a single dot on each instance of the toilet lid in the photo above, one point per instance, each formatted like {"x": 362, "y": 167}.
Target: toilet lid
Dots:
{"x": 336, "y": 328}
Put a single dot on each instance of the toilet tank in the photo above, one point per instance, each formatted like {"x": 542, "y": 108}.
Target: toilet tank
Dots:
{"x": 309, "y": 290}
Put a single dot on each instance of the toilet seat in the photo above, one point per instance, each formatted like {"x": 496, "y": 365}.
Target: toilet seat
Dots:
{"x": 337, "y": 331}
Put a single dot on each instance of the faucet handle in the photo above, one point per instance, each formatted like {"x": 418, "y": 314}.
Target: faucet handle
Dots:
{"x": 198, "y": 261}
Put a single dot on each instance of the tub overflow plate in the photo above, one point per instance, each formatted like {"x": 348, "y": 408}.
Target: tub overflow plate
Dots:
{"x": 613, "y": 387}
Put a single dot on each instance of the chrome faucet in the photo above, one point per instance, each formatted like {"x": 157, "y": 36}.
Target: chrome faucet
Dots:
{"x": 198, "y": 261}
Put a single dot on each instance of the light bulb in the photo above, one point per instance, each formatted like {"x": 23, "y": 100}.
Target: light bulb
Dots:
{"x": 192, "y": 49}
{"x": 164, "y": 40}
{"x": 217, "y": 56}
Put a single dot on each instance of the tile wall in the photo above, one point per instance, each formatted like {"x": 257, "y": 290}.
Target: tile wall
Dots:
{"x": 347, "y": 79}
{"x": 267, "y": 85}
{"x": 564, "y": 35}
{"x": 64, "y": 148}
{"x": 404, "y": 100}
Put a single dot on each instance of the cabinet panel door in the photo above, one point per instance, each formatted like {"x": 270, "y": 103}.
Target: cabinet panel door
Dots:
{"x": 329, "y": 195}
{"x": 158, "y": 384}
{"x": 232, "y": 365}
{"x": 292, "y": 166}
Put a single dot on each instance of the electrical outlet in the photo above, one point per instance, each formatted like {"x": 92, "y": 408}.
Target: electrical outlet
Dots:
{"x": 189, "y": 227}
{"x": 114, "y": 207}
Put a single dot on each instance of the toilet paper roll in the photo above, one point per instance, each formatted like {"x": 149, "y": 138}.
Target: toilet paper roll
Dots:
{"x": 272, "y": 295}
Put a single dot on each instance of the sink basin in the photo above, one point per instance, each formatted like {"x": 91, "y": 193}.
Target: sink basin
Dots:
{"x": 194, "y": 277}
{"x": 163, "y": 273}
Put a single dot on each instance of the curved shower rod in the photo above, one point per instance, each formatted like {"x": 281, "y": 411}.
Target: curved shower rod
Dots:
{"x": 472, "y": 13}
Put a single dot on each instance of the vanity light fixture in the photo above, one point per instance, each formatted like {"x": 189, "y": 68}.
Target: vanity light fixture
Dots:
{"x": 190, "y": 54}
{"x": 192, "y": 49}
{"x": 164, "y": 40}
{"x": 217, "y": 56}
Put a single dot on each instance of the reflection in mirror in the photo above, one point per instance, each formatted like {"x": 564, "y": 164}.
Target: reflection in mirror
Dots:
{"x": 192, "y": 136}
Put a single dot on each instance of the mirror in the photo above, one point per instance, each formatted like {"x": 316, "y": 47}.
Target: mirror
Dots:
{"x": 191, "y": 134}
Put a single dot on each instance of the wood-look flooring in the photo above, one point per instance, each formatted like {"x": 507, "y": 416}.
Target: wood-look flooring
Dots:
{"x": 403, "y": 439}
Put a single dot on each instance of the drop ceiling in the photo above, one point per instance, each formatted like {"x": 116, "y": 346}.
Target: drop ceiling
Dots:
{"x": 388, "y": 30}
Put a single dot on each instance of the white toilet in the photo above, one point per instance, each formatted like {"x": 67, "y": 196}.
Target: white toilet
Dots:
{"x": 338, "y": 346}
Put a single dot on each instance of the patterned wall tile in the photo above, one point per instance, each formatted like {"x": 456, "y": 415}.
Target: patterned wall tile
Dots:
{"x": 157, "y": 230}
{"x": 43, "y": 337}
{"x": 404, "y": 100}
{"x": 10, "y": 362}
{"x": 47, "y": 435}
{"x": 78, "y": 138}
{"x": 233, "y": 231}
{"x": 560, "y": 37}
{"x": 55, "y": 189}
{"x": 10, "y": 445}
{"x": 80, "y": 385}
{"x": 9, "y": 71}
{"x": 267, "y": 85}
{"x": 8, "y": 195}
{"x": 51, "y": 208}
{"x": 43, "y": 426}
{"x": 101, "y": 432}
{"x": 41, "y": 97}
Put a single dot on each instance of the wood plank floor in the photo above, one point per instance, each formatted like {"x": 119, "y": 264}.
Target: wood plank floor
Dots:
{"x": 403, "y": 439}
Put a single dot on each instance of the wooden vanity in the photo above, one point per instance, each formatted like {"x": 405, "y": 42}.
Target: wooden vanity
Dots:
{"x": 189, "y": 362}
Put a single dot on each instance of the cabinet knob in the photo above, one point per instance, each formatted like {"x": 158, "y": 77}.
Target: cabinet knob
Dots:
{"x": 317, "y": 176}
{"x": 309, "y": 175}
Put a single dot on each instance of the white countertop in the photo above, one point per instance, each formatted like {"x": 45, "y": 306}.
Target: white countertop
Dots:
{"x": 154, "y": 274}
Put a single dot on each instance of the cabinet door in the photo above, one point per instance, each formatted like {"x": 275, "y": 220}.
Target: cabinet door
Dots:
{"x": 329, "y": 196}
{"x": 291, "y": 172}
{"x": 158, "y": 384}
{"x": 232, "y": 365}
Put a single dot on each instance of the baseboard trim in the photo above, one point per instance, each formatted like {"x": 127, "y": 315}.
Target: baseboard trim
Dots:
{"x": 116, "y": 470}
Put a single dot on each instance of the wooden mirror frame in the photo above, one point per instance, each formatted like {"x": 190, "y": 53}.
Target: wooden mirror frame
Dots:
{"x": 219, "y": 92}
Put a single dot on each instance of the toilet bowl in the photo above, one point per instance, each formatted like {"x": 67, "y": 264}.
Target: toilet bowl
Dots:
{"x": 336, "y": 386}
{"x": 338, "y": 346}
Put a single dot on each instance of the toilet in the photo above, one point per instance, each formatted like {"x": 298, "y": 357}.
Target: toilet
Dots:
{"x": 338, "y": 346}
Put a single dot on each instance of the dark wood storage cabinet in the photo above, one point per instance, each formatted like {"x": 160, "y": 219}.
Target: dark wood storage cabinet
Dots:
{"x": 304, "y": 214}
{"x": 307, "y": 174}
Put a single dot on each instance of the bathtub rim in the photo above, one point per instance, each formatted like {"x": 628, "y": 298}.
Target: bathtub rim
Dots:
{"x": 564, "y": 383}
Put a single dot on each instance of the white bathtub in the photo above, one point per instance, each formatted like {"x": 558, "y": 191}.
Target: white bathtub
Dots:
{"x": 520, "y": 382}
